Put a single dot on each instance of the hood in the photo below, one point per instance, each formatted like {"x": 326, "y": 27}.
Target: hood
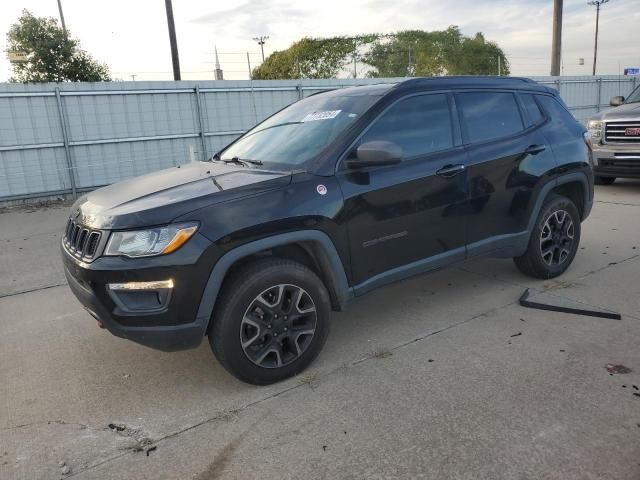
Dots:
{"x": 159, "y": 197}
{"x": 626, "y": 111}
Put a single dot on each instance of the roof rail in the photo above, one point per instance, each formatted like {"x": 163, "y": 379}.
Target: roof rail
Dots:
{"x": 470, "y": 78}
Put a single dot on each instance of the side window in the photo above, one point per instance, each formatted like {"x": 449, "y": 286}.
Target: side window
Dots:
{"x": 419, "y": 125}
{"x": 489, "y": 115}
{"x": 533, "y": 110}
{"x": 555, "y": 109}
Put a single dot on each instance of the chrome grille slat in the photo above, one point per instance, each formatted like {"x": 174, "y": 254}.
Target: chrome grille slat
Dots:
{"x": 614, "y": 132}
{"x": 81, "y": 241}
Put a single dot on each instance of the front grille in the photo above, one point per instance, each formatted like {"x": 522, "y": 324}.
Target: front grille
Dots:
{"x": 81, "y": 241}
{"x": 619, "y": 132}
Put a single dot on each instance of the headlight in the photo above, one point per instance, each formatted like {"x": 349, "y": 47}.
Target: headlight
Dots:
{"x": 152, "y": 241}
{"x": 595, "y": 129}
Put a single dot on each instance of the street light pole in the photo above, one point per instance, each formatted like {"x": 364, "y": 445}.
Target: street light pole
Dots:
{"x": 597, "y": 4}
{"x": 262, "y": 39}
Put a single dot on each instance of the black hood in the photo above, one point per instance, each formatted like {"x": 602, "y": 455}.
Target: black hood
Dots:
{"x": 162, "y": 196}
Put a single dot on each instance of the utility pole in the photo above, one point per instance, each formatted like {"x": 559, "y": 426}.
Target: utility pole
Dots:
{"x": 262, "y": 39}
{"x": 597, "y": 4}
{"x": 355, "y": 61}
{"x": 172, "y": 39}
{"x": 556, "y": 46}
{"x": 64, "y": 27}
{"x": 499, "y": 66}
{"x": 249, "y": 66}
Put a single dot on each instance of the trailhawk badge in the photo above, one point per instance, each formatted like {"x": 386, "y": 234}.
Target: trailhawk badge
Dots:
{"x": 321, "y": 189}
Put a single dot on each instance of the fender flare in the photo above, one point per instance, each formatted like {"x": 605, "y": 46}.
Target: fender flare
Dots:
{"x": 521, "y": 246}
{"x": 560, "y": 180}
{"x": 329, "y": 261}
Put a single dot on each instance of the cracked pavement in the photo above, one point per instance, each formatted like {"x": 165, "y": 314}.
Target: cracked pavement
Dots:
{"x": 443, "y": 376}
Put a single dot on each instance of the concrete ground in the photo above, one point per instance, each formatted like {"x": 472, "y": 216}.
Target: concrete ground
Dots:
{"x": 444, "y": 376}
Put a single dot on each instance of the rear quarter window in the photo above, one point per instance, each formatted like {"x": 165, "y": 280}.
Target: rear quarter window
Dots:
{"x": 556, "y": 110}
{"x": 488, "y": 115}
{"x": 534, "y": 114}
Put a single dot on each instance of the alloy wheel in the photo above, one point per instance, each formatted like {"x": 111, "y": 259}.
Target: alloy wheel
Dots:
{"x": 278, "y": 326}
{"x": 556, "y": 238}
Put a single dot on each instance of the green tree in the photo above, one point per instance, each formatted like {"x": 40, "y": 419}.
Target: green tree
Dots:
{"x": 53, "y": 56}
{"x": 445, "y": 52}
{"x": 308, "y": 58}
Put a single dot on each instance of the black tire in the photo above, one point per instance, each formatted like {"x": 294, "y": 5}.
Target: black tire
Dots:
{"x": 243, "y": 315}
{"x": 550, "y": 250}
{"x": 604, "y": 180}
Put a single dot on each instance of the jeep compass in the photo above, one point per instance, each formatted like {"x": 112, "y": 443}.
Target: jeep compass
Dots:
{"x": 332, "y": 197}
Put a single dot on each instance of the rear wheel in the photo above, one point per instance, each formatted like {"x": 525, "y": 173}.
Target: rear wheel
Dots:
{"x": 554, "y": 240}
{"x": 271, "y": 321}
{"x": 604, "y": 180}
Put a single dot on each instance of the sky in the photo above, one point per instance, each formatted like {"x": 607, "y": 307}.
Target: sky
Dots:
{"x": 131, "y": 36}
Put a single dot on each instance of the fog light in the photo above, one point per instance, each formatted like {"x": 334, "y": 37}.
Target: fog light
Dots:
{"x": 157, "y": 285}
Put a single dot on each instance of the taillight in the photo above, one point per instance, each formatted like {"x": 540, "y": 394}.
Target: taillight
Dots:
{"x": 588, "y": 140}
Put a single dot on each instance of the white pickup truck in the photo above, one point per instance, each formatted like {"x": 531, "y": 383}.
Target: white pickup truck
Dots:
{"x": 616, "y": 140}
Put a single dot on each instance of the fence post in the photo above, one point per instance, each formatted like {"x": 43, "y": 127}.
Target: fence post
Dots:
{"x": 65, "y": 140}
{"x": 599, "y": 80}
{"x": 201, "y": 123}
{"x": 299, "y": 89}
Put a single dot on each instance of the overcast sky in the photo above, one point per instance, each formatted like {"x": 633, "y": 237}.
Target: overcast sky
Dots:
{"x": 131, "y": 36}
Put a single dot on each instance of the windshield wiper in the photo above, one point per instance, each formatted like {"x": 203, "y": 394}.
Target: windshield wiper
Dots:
{"x": 241, "y": 161}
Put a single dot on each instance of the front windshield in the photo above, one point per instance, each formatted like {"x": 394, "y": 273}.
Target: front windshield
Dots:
{"x": 301, "y": 131}
{"x": 634, "y": 97}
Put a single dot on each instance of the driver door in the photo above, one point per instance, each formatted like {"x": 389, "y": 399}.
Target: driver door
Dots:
{"x": 402, "y": 219}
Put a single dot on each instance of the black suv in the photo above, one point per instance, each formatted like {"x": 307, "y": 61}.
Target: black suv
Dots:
{"x": 338, "y": 194}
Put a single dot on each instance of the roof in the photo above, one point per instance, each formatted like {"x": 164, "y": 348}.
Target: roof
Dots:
{"x": 439, "y": 83}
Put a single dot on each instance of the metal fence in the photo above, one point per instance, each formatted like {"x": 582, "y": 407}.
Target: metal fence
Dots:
{"x": 58, "y": 139}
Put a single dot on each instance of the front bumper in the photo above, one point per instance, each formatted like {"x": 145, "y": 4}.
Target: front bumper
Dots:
{"x": 616, "y": 160}
{"x": 172, "y": 323}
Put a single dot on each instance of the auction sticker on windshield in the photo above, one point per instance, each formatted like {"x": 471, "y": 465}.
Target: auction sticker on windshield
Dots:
{"x": 324, "y": 115}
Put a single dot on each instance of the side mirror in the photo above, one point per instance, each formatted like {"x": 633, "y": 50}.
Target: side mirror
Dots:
{"x": 375, "y": 154}
{"x": 616, "y": 101}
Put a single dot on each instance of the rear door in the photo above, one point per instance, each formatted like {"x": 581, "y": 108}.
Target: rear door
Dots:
{"x": 507, "y": 155}
{"x": 401, "y": 214}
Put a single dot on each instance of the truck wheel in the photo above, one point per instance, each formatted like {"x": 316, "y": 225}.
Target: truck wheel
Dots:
{"x": 554, "y": 240}
{"x": 604, "y": 180}
{"x": 271, "y": 321}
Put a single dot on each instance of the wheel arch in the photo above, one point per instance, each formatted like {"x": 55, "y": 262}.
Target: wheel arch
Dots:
{"x": 310, "y": 247}
{"x": 577, "y": 183}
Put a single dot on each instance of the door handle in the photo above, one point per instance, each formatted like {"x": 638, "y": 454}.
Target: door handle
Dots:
{"x": 450, "y": 171}
{"x": 535, "y": 149}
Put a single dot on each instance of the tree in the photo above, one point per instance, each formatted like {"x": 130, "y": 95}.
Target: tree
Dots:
{"x": 307, "y": 58}
{"x": 53, "y": 56}
{"x": 446, "y": 52}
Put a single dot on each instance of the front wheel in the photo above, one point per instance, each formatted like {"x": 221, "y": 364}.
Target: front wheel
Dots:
{"x": 271, "y": 321}
{"x": 554, "y": 240}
